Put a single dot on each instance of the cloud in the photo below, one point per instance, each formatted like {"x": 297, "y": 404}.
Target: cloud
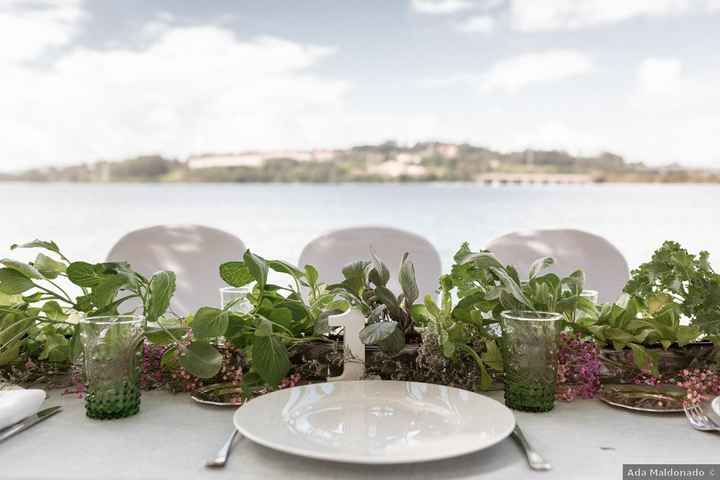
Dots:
{"x": 659, "y": 75}
{"x": 514, "y": 74}
{"x": 547, "y": 15}
{"x": 477, "y": 24}
{"x": 191, "y": 90}
{"x": 27, "y": 29}
{"x": 441, "y": 7}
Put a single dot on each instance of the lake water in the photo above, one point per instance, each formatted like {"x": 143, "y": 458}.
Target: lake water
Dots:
{"x": 277, "y": 220}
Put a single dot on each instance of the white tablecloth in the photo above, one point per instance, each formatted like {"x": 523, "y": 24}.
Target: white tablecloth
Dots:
{"x": 171, "y": 437}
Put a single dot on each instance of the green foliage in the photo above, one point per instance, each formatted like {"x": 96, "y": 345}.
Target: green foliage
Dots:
{"x": 38, "y": 316}
{"x": 365, "y": 286}
{"x": 674, "y": 276}
{"x": 280, "y": 318}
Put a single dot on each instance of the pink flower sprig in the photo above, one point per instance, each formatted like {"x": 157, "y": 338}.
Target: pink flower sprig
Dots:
{"x": 579, "y": 365}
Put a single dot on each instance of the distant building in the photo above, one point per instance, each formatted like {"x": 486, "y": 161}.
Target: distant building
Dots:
{"x": 257, "y": 159}
{"x": 395, "y": 169}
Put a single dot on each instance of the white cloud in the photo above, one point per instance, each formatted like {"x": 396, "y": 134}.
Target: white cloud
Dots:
{"x": 477, "y": 24}
{"x": 516, "y": 73}
{"x": 192, "y": 90}
{"x": 441, "y": 7}
{"x": 28, "y": 29}
{"x": 659, "y": 75}
{"x": 546, "y": 15}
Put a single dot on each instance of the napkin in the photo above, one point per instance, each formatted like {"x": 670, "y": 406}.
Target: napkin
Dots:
{"x": 18, "y": 404}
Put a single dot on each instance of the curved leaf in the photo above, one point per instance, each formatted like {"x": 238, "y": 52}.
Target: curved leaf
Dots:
{"x": 201, "y": 359}
{"x": 209, "y": 322}
{"x": 161, "y": 290}
{"x": 235, "y": 274}
{"x": 84, "y": 274}
{"x": 539, "y": 265}
{"x": 408, "y": 283}
{"x": 49, "y": 267}
{"x": 13, "y": 282}
{"x": 27, "y": 270}
{"x": 270, "y": 359}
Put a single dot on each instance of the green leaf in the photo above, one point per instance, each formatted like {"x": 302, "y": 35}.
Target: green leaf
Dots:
{"x": 52, "y": 246}
{"x": 355, "y": 277}
{"x": 235, "y": 274}
{"x": 209, "y": 322}
{"x": 26, "y": 270}
{"x": 258, "y": 268}
{"x": 57, "y": 348}
{"x": 408, "y": 283}
{"x": 387, "y": 298}
{"x": 201, "y": 359}
{"x": 54, "y": 311}
{"x": 285, "y": 267}
{"x": 312, "y": 276}
{"x": 160, "y": 336}
{"x": 539, "y": 265}
{"x": 160, "y": 292}
{"x": 13, "y": 282}
{"x": 49, "y": 267}
{"x": 379, "y": 275}
{"x": 84, "y": 274}
{"x": 482, "y": 260}
{"x": 104, "y": 293}
{"x": 387, "y": 335}
{"x": 512, "y": 286}
{"x": 9, "y": 300}
{"x": 270, "y": 359}
{"x": 264, "y": 328}
{"x": 12, "y": 329}
{"x": 492, "y": 356}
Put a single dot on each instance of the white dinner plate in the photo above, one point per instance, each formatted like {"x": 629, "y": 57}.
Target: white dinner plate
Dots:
{"x": 375, "y": 422}
{"x": 716, "y": 406}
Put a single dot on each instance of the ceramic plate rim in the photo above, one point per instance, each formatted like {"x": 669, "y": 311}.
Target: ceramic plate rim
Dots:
{"x": 365, "y": 460}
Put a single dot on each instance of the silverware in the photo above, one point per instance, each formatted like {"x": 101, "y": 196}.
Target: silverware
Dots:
{"x": 220, "y": 458}
{"x": 535, "y": 460}
{"x": 28, "y": 422}
{"x": 697, "y": 418}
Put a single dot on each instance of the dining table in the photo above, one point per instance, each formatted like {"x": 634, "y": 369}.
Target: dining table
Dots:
{"x": 172, "y": 436}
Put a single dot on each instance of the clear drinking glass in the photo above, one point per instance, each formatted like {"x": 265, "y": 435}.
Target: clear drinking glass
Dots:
{"x": 235, "y": 299}
{"x": 529, "y": 346}
{"x": 112, "y": 356}
{"x": 592, "y": 295}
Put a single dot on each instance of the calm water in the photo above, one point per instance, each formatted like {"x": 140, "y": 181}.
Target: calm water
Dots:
{"x": 278, "y": 220}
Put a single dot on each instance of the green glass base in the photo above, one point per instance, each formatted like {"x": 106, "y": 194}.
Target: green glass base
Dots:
{"x": 114, "y": 401}
{"x": 536, "y": 397}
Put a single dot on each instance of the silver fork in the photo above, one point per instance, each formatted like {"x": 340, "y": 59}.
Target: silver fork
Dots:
{"x": 535, "y": 460}
{"x": 697, "y": 418}
{"x": 220, "y": 458}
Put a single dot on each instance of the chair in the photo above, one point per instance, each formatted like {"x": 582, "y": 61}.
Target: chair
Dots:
{"x": 193, "y": 252}
{"x": 606, "y": 269}
{"x": 329, "y": 253}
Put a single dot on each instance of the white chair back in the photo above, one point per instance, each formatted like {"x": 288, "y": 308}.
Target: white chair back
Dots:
{"x": 193, "y": 252}
{"x": 329, "y": 253}
{"x": 606, "y": 269}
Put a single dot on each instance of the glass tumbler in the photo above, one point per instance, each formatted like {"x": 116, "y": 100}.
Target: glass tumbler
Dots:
{"x": 529, "y": 346}
{"x": 235, "y": 299}
{"x": 112, "y": 358}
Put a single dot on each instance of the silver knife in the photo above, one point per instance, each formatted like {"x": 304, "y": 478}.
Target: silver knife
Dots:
{"x": 28, "y": 422}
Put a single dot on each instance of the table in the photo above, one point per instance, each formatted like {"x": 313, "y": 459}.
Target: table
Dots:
{"x": 171, "y": 437}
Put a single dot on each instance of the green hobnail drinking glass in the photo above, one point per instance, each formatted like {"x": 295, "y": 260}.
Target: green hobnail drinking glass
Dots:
{"x": 112, "y": 357}
{"x": 529, "y": 347}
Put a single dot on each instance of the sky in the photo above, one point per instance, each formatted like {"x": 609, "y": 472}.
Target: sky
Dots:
{"x": 91, "y": 80}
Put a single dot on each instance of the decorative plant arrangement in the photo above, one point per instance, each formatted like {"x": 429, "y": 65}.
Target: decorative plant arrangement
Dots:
{"x": 391, "y": 320}
{"x": 39, "y": 319}
{"x": 281, "y": 319}
{"x": 459, "y": 338}
{"x": 645, "y": 328}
